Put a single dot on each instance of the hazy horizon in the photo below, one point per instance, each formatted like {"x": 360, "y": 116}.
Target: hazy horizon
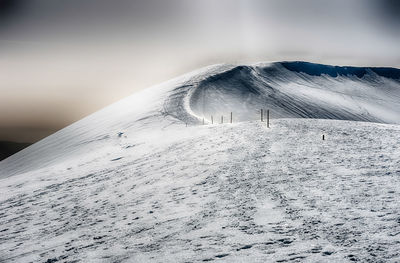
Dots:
{"x": 63, "y": 60}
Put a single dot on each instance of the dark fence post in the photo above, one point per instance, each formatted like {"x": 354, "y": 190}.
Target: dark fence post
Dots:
{"x": 231, "y": 117}
{"x": 267, "y": 118}
{"x": 262, "y": 117}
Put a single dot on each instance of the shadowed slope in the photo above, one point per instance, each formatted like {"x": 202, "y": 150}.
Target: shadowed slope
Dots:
{"x": 301, "y": 90}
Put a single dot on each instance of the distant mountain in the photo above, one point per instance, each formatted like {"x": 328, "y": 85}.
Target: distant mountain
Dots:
{"x": 9, "y": 148}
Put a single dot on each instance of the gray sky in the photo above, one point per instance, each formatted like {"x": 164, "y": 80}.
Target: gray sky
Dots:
{"x": 62, "y": 60}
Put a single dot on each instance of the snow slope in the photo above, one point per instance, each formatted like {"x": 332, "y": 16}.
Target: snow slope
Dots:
{"x": 133, "y": 183}
{"x": 302, "y": 90}
{"x": 288, "y": 89}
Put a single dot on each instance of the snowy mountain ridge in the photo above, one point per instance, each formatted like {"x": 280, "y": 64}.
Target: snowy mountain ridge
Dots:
{"x": 302, "y": 90}
{"x": 143, "y": 181}
{"x": 287, "y": 89}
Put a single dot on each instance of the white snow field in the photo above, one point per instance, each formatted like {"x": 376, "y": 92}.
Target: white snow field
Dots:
{"x": 144, "y": 181}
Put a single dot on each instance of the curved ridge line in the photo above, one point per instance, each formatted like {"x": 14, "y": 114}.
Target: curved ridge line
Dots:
{"x": 188, "y": 96}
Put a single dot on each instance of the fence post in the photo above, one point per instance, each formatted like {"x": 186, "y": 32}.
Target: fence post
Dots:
{"x": 231, "y": 117}
{"x": 212, "y": 120}
{"x": 267, "y": 118}
{"x": 262, "y": 117}
{"x": 222, "y": 119}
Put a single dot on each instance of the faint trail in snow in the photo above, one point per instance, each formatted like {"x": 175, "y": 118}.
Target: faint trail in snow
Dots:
{"x": 208, "y": 198}
{"x": 133, "y": 183}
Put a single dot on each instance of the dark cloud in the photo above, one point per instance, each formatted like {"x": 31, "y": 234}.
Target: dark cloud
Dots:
{"x": 390, "y": 11}
{"x": 90, "y": 18}
{"x": 10, "y": 9}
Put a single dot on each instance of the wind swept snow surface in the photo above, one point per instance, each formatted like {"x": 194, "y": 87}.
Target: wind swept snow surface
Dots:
{"x": 302, "y": 90}
{"x": 142, "y": 181}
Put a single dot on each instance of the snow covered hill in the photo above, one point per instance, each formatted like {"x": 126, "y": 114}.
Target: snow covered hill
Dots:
{"x": 302, "y": 90}
{"x": 143, "y": 180}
